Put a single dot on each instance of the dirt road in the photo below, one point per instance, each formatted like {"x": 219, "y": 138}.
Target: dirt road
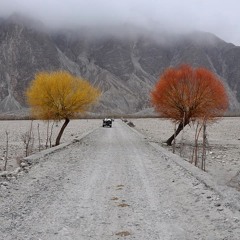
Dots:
{"x": 112, "y": 184}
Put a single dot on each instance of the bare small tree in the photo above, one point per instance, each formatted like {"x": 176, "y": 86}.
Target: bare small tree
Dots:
{"x": 39, "y": 139}
{"x": 182, "y": 138}
{"x": 195, "y": 148}
{"x": 32, "y": 138}
{"x": 204, "y": 147}
{"x": 47, "y": 138}
{"x": 50, "y": 136}
{"x": 28, "y": 140}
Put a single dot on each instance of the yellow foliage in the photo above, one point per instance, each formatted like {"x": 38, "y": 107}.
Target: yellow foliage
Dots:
{"x": 60, "y": 95}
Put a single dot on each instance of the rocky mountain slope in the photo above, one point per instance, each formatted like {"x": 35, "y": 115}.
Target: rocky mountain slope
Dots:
{"x": 124, "y": 66}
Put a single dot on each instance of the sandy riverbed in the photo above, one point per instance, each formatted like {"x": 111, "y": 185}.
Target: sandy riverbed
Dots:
{"x": 223, "y": 155}
{"x": 114, "y": 185}
{"x": 17, "y": 129}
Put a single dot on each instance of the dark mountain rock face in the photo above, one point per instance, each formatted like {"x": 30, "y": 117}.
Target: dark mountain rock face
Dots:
{"x": 23, "y": 52}
{"x": 124, "y": 68}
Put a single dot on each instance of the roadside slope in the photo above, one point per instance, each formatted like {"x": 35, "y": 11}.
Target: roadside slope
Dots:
{"x": 109, "y": 185}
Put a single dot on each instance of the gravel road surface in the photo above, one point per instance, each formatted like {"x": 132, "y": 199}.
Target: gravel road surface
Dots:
{"x": 113, "y": 184}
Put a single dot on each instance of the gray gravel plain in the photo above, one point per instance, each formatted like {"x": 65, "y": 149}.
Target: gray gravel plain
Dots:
{"x": 113, "y": 184}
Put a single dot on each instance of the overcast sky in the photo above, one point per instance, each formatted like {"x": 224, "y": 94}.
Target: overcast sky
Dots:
{"x": 221, "y": 17}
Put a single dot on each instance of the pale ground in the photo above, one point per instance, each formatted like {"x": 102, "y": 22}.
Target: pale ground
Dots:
{"x": 113, "y": 184}
{"x": 223, "y": 155}
{"x": 16, "y": 130}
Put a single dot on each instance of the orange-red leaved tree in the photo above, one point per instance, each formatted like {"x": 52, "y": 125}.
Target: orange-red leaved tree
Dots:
{"x": 60, "y": 95}
{"x": 186, "y": 94}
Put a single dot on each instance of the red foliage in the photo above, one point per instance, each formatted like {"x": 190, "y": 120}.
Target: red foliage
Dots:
{"x": 194, "y": 92}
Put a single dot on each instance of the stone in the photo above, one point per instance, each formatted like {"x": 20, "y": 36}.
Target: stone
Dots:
{"x": 3, "y": 174}
{"x": 23, "y": 164}
{"x": 4, "y": 183}
{"x": 16, "y": 171}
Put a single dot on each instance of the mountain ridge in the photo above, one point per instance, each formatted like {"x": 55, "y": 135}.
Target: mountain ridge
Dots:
{"x": 125, "y": 68}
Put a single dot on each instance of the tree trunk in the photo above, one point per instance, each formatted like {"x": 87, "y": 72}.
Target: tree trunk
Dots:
{"x": 179, "y": 129}
{"x": 67, "y": 120}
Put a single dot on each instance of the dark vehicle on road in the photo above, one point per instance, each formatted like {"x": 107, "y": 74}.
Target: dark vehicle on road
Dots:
{"x": 107, "y": 122}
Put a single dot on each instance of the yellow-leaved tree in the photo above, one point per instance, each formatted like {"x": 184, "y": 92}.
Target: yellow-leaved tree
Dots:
{"x": 60, "y": 96}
